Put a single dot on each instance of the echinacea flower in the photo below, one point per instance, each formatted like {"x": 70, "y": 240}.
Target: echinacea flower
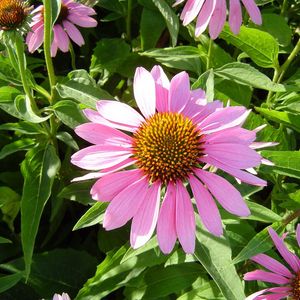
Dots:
{"x": 71, "y": 13}
{"x": 212, "y": 14}
{"x": 14, "y": 15}
{"x": 63, "y": 296}
{"x": 166, "y": 146}
{"x": 287, "y": 278}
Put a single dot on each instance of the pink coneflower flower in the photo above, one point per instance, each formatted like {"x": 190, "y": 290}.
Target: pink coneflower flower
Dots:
{"x": 63, "y": 296}
{"x": 71, "y": 14}
{"x": 212, "y": 13}
{"x": 167, "y": 145}
{"x": 288, "y": 279}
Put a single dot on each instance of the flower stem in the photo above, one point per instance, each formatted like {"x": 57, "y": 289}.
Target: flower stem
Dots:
{"x": 291, "y": 217}
{"x": 283, "y": 7}
{"x": 128, "y": 21}
{"x": 47, "y": 47}
{"x": 209, "y": 54}
{"x": 73, "y": 58}
{"x": 19, "y": 44}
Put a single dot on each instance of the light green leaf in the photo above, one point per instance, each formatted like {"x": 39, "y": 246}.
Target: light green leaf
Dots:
{"x": 4, "y": 240}
{"x": 261, "y": 47}
{"x": 214, "y": 253}
{"x": 8, "y": 281}
{"x": 39, "y": 170}
{"x": 19, "y": 145}
{"x": 170, "y": 18}
{"x": 8, "y": 95}
{"x": 67, "y": 139}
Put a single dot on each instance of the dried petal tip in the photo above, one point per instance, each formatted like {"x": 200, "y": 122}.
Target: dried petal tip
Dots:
{"x": 13, "y": 14}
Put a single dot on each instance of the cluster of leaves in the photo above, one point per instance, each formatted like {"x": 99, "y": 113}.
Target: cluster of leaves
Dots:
{"x": 51, "y": 234}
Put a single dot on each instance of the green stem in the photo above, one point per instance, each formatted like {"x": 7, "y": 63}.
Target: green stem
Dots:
{"x": 291, "y": 217}
{"x": 12, "y": 57}
{"x": 289, "y": 60}
{"x": 73, "y": 57}
{"x": 47, "y": 47}
{"x": 209, "y": 54}
{"x": 42, "y": 92}
{"x": 128, "y": 21}
{"x": 22, "y": 69}
{"x": 275, "y": 78}
{"x": 283, "y": 7}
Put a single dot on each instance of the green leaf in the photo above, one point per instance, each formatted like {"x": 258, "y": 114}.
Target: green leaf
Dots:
{"x": 55, "y": 10}
{"x": 181, "y": 57}
{"x": 286, "y": 163}
{"x": 245, "y": 74}
{"x": 4, "y": 240}
{"x": 39, "y": 170}
{"x": 81, "y": 87}
{"x": 23, "y": 127}
{"x": 69, "y": 113}
{"x": 19, "y": 145}
{"x": 214, "y": 253}
{"x": 7, "y": 282}
{"x": 262, "y": 213}
{"x": 260, "y": 243}
{"x": 170, "y": 19}
{"x": 8, "y": 73}
{"x": 67, "y": 139}
{"x": 261, "y": 47}
{"x": 289, "y": 119}
{"x": 92, "y": 217}
{"x": 8, "y": 95}
{"x": 23, "y": 107}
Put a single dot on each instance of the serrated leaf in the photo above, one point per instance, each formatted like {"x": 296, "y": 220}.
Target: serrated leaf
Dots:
{"x": 39, "y": 170}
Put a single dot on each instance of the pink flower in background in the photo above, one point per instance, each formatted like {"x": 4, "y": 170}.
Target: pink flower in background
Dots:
{"x": 171, "y": 143}
{"x": 63, "y": 296}
{"x": 72, "y": 13}
{"x": 287, "y": 279}
{"x": 212, "y": 13}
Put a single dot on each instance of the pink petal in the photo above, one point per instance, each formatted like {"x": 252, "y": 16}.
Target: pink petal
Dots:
{"x": 94, "y": 117}
{"x": 259, "y": 145}
{"x": 207, "y": 110}
{"x": 100, "y": 157}
{"x": 253, "y": 11}
{"x": 207, "y": 207}
{"x": 179, "y": 92}
{"x": 144, "y": 222}
{"x": 272, "y": 265}
{"x": 227, "y": 195}
{"x": 35, "y": 39}
{"x": 119, "y": 113}
{"x": 54, "y": 47}
{"x": 266, "y": 276}
{"x": 298, "y": 234}
{"x": 166, "y": 227}
{"x": 162, "y": 85}
{"x": 82, "y": 21}
{"x": 109, "y": 186}
{"x": 218, "y": 19}
{"x": 235, "y": 155}
{"x": 73, "y": 33}
{"x": 235, "y": 16}
{"x": 191, "y": 10}
{"x": 61, "y": 38}
{"x": 104, "y": 135}
{"x": 284, "y": 293}
{"x": 242, "y": 175}
{"x": 205, "y": 16}
{"x": 224, "y": 118}
{"x": 288, "y": 256}
{"x": 185, "y": 219}
{"x": 125, "y": 205}
{"x": 144, "y": 91}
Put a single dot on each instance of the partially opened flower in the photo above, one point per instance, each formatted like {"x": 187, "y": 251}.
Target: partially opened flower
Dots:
{"x": 212, "y": 14}
{"x": 287, "y": 279}
{"x": 166, "y": 147}
{"x": 71, "y": 13}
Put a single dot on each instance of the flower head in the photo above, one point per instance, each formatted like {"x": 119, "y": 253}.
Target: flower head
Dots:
{"x": 63, "y": 296}
{"x": 212, "y": 13}
{"x": 64, "y": 29}
{"x": 169, "y": 145}
{"x": 287, "y": 278}
{"x": 13, "y": 14}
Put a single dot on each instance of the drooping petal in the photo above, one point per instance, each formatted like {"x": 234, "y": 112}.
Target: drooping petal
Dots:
{"x": 120, "y": 113}
{"x": 218, "y": 19}
{"x": 103, "y": 135}
{"x": 272, "y": 265}
{"x": 162, "y": 85}
{"x": 144, "y": 91}
{"x": 207, "y": 207}
{"x": 227, "y": 195}
{"x": 166, "y": 224}
{"x": 125, "y": 205}
{"x": 191, "y": 10}
{"x": 185, "y": 219}
{"x": 284, "y": 292}
{"x": 61, "y": 38}
{"x": 82, "y": 21}
{"x": 235, "y": 16}
{"x": 144, "y": 222}
{"x": 253, "y": 11}
{"x": 35, "y": 39}
{"x": 109, "y": 186}
{"x": 288, "y": 256}
{"x": 179, "y": 93}
{"x": 266, "y": 276}
{"x": 73, "y": 33}
{"x": 99, "y": 157}
{"x": 204, "y": 16}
